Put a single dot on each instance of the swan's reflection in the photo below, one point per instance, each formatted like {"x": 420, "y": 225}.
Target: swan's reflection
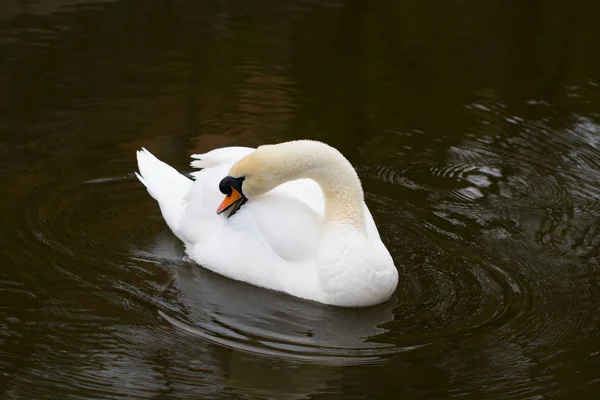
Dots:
{"x": 244, "y": 317}
{"x": 283, "y": 347}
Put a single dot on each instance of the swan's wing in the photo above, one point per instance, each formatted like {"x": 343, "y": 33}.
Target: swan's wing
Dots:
{"x": 290, "y": 219}
{"x": 270, "y": 241}
{"x": 287, "y": 220}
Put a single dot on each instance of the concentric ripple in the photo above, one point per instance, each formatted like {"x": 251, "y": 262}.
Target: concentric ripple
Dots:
{"x": 434, "y": 302}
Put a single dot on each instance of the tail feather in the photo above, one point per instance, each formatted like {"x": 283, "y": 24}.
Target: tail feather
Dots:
{"x": 166, "y": 185}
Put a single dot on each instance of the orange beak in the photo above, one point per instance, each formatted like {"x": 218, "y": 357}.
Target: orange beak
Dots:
{"x": 230, "y": 200}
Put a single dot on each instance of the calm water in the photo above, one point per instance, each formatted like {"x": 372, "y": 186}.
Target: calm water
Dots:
{"x": 474, "y": 126}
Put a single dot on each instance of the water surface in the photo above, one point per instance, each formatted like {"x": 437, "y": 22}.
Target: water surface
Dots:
{"x": 474, "y": 126}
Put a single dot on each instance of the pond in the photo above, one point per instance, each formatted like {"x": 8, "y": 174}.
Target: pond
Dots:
{"x": 474, "y": 126}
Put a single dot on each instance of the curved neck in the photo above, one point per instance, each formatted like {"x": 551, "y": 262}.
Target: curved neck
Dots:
{"x": 339, "y": 181}
{"x": 343, "y": 200}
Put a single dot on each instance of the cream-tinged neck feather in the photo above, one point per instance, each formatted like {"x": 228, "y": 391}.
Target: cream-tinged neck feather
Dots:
{"x": 271, "y": 165}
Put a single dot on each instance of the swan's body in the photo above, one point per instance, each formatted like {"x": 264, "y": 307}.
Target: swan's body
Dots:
{"x": 305, "y": 229}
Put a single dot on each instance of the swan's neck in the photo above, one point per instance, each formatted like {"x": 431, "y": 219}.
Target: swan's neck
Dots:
{"x": 344, "y": 198}
{"x": 343, "y": 207}
{"x": 346, "y": 258}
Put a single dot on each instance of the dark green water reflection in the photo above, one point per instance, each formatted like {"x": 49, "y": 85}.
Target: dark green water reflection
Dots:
{"x": 474, "y": 126}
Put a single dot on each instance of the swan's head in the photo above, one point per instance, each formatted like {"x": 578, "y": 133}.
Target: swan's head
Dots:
{"x": 256, "y": 174}
{"x": 235, "y": 198}
{"x": 271, "y": 165}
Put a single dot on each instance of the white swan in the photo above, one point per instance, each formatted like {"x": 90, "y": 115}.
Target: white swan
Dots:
{"x": 296, "y": 220}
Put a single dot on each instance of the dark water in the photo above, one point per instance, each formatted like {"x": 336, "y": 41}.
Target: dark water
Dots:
{"x": 474, "y": 126}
